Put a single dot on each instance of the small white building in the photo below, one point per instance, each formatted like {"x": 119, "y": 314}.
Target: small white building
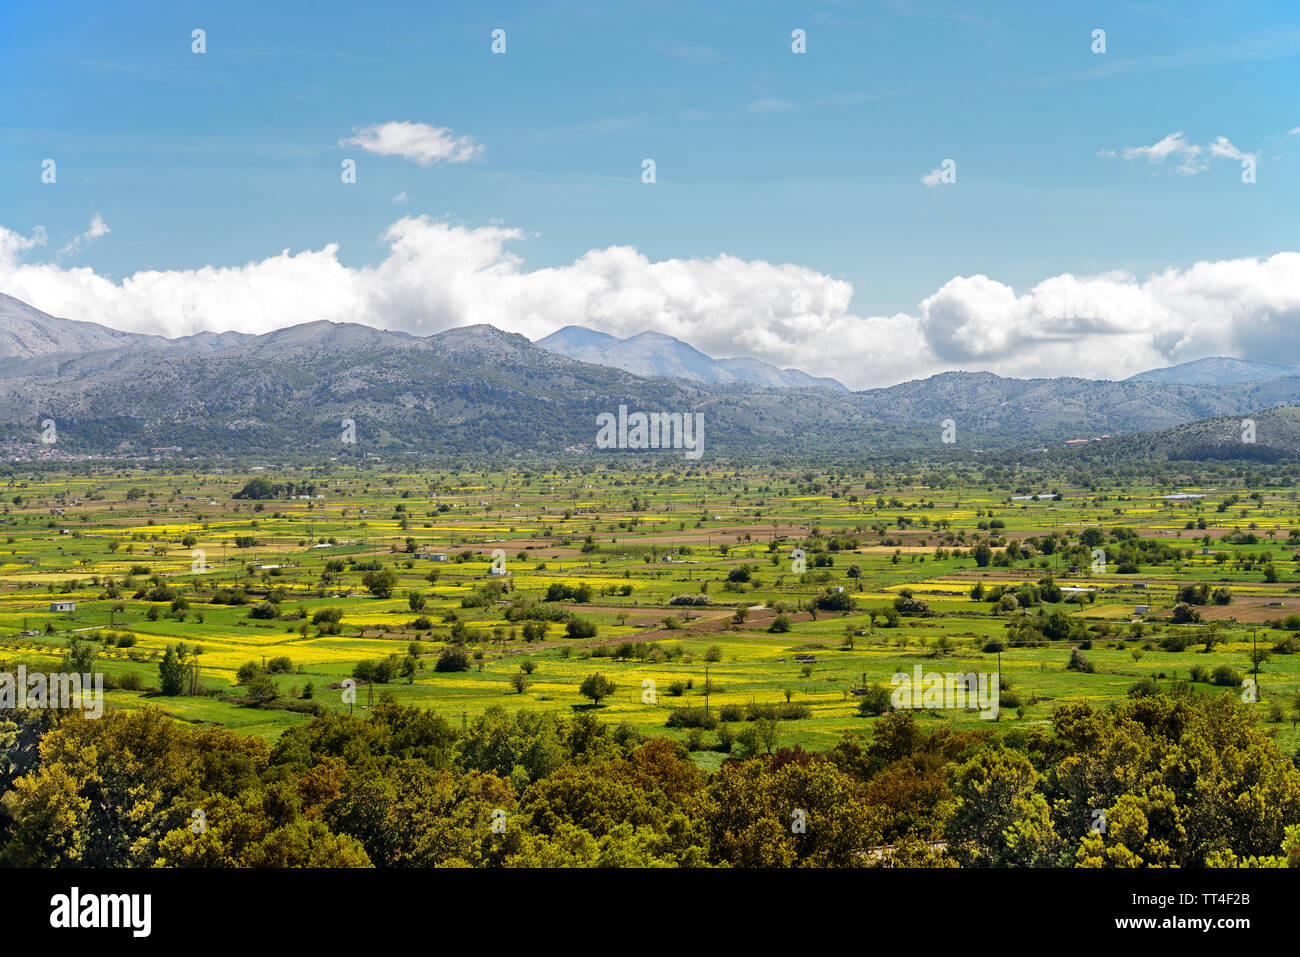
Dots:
{"x": 1141, "y": 609}
{"x": 437, "y": 556}
{"x": 63, "y": 606}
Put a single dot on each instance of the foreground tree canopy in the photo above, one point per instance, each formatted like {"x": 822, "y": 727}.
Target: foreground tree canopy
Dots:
{"x": 1157, "y": 780}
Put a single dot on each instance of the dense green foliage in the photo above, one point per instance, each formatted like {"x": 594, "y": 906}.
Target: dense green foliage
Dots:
{"x": 1175, "y": 780}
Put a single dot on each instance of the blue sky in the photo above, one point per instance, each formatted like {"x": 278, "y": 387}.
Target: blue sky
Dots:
{"x": 816, "y": 160}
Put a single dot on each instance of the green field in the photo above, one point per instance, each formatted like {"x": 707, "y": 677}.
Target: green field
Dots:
{"x": 145, "y": 553}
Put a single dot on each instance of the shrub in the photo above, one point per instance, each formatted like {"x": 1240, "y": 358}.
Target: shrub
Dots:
{"x": 580, "y": 628}
{"x": 1287, "y": 645}
{"x": 876, "y": 701}
{"x": 262, "y": 690}
{"x": 1175, "y": 641}
{"x": 833, "y": 601}
{"x": 726, "y": 738}
{"x": 780, "y": 711}
{"x": 379, "y": 670}
{"x": 247, "y": 672}
{"x": 1078, "y": 662}
{"x": 452, "y": 658}
{"x": 1144, "y": 688}
{"x": 1226, "y": 676}
{"x": 692, "y": 717}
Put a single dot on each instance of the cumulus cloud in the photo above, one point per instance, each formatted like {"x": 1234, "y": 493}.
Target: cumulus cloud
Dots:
{"x": 12, "y": 244}
{"x": 1190, "y": 157}
{"x": 418, "y": 142}
{"x": 1113, "y": 325}
{"x": 933, "y": 178}
{"x": 437, "y": 275}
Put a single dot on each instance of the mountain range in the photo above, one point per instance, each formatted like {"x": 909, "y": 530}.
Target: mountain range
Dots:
{"x": 478, "y": 389}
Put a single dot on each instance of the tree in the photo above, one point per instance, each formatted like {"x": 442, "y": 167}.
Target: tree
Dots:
{"x": 519, "y": 681}
{"x": 80, "y": 658}
{"x": 255, "y": 489}
{"x": 174, "y": 670}
{"x": 875, "y": 702}
{"x": 768, "y": 729}
{"x": 579, "y": 628}
{"x": 1000, "y": 819}
{"x": 262, "y": 690}
{"x": 596, "y": 687}
{"x": 1078, "y": 662}
{"x": 380, "y": 583}
{"x": 452, "y": 658}
{"x": 247, "y": 672}
{"x": 982, "y": 554}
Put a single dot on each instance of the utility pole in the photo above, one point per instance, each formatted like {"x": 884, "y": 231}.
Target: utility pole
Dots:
{"x": 706, "y": 692}
{"x": 1254, "y": 656}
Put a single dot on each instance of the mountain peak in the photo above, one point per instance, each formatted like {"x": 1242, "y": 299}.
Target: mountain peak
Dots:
{"x": 656, "y": 354}
{"x": 1217, "y": 370}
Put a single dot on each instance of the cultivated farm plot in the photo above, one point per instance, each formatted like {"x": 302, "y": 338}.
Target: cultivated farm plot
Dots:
{"x": 682, "y": 587}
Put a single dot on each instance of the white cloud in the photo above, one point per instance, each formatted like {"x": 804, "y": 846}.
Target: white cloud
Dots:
{"x": 417, "y": 142}
{"x": 97, "y": 229}
{"x": 1224, "y": 149}
{"x": 12, "y": 244}
{"x": 437, "y": 275}
{"x": 400, "y": 197}
{"x": 1191, "y": 157}
{"x": 933, "y": 178}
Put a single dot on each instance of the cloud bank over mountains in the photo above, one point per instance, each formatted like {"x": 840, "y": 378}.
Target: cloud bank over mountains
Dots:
{"x": 438, "y": 275}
